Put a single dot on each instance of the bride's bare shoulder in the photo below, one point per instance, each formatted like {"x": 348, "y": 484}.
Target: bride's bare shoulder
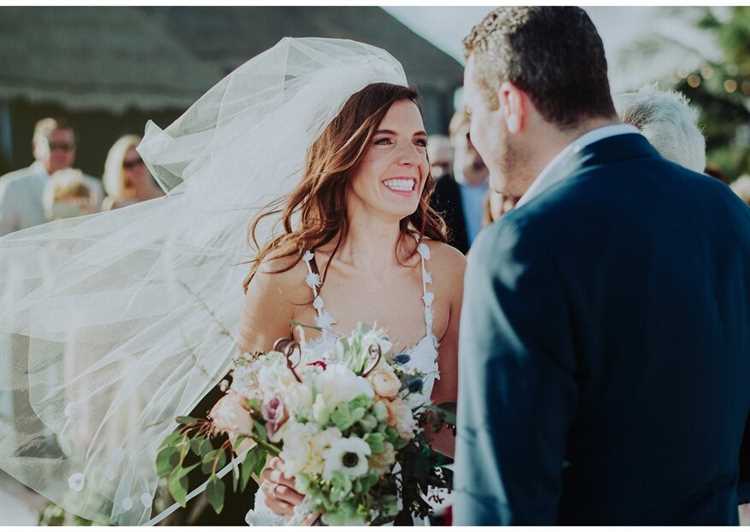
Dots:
{"x": 281, "y": 276}
{"x": 446, "y": 258}
{"x": 272, "y": 297}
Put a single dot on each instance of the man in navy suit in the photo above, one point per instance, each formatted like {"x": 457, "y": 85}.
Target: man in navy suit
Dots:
{"x": 605, "y": 336}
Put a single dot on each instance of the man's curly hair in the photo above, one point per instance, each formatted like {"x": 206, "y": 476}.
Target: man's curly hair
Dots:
{"x": 554, "y": 54}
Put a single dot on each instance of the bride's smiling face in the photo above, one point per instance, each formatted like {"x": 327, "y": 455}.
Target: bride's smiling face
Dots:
{"x": 391, "y": 177}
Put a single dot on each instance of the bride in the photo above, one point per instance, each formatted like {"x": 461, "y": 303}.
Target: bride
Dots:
{"x": 113, "y": 324}
{"x": 368, "y": 249}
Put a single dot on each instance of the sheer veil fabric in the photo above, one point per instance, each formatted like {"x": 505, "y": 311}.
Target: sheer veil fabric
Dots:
{"x": 111, "y": 325}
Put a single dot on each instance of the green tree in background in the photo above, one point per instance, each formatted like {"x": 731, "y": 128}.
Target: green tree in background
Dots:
{"x": 721, "y": 90}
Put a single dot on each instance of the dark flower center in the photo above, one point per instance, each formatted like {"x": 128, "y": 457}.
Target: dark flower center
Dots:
{"x": 402, "y": 358}
{"x": 415, "y": 385}
{"x": 350, "y": 459}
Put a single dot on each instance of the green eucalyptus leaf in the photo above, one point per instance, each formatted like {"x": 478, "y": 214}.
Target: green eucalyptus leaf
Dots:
{"x": 217, "y": 457}
{"x": 205, "y": 447}
{"x": 215, "y": 493}
{"x": 183, "y": 471}
{"x": 178, "y": 486}
{"x": 186, "y": 420}
{"x": 252, "y": 465}
{"x": 170, "y": 440}
{"x": 196, "y": 444}
{"x": 166, "y": 461}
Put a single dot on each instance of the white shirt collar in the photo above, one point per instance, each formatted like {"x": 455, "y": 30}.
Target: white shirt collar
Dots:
{"x": 39, "y": 169}
{"x": 549, "y": 177}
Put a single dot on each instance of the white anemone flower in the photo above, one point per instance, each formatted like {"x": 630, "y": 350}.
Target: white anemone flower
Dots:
{"x": 348, "y": 456}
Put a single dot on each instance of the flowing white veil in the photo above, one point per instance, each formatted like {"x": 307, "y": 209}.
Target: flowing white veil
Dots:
{"x": 113, "y": 324}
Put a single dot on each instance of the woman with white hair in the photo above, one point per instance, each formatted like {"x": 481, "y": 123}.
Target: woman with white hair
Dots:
{"x": 126, "y": 178}
{"x": 668, "y": 122}
{"x": 741, "y": 187}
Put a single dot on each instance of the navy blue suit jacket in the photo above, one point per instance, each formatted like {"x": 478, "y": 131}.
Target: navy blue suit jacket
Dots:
{"x": 605, "y": 351}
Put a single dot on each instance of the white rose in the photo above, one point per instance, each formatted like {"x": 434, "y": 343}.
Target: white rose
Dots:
{"x": 338, "y": 384}
{"x": 299, "y": 399}
{"x": 296, "y": 452}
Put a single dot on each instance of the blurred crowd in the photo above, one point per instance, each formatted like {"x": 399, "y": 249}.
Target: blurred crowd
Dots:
{"x": 52, "y": 188}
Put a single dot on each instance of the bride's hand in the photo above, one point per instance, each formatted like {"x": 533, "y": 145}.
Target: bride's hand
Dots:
{"x": 280, "y": 495}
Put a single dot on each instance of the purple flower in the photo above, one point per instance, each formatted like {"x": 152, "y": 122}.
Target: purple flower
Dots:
{"x": 275, "y": 413}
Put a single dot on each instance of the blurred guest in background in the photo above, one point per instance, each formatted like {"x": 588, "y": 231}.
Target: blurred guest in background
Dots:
{"x": 68, "y": 194}
{"x": 741, "y": 187}
{"x": 126, "y": 178}
{"x": 21, "y": 192}
{"x": 440, "y": 155}
{"x": 459, "y": 198}
{"x": 669, "y": 123}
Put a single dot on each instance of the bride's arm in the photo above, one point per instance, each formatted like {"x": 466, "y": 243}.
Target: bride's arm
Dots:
{"x": 449, "y": 271}
{"x": 270, "y": 303}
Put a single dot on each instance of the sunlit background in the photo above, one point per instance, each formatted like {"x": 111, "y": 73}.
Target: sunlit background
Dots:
{"x": 110, "y": 69}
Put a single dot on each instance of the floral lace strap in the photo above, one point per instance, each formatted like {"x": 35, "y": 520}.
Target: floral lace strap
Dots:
{"x": 323, "y": 319}
{"x": 427, "y": 296}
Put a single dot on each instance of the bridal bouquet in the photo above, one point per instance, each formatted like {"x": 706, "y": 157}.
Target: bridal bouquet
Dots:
{"x": 339, "y": 420}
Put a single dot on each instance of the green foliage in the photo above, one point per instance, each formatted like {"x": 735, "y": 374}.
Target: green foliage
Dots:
{"x": 192, "y": 446}
{"x": 215, "y": 491}
{"x": 252, "y": 465}
{"x": 342, "y": 417}
{"x": 341, "y": 487}
{"x": 178, "y": 486}
{"x": 725, "y": 114}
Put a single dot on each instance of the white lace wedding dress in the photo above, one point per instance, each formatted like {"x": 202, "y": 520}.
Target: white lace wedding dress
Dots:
{"x": 422, "y": 356}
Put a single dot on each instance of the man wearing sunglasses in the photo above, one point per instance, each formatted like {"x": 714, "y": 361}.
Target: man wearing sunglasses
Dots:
{"x": 21, "y": 192}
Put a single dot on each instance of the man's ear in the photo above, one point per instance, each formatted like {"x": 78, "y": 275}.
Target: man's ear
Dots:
{"x": 514, "y": 106}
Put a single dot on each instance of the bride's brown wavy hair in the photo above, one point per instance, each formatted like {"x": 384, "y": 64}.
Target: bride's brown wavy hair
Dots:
{"x": 320, "y": 198}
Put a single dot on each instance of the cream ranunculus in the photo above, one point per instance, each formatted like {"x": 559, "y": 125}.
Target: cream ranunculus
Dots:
{"x": 401, "y": 417}
{"x": 229, "y": 415}
{"x": 385, "y": 382}
{"x": 347, "y": 456}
